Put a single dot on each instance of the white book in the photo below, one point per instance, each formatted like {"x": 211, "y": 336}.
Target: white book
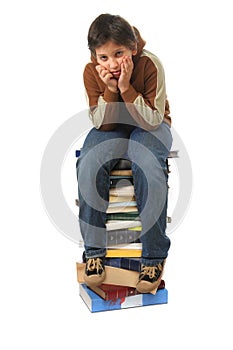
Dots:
{"x": 120, "y": 224}
{"x": 122, "y": 204}
{"x": 122, "y": 191}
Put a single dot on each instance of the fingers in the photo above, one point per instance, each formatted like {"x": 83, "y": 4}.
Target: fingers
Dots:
{"x": 103, "y": 73}
{"x": 127, "y": 65}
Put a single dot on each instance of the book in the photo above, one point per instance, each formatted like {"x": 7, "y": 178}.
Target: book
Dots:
{"x": 121, "y": 224}
{"x": 133, "y": 264}
{"x": 122, "y": 209}
{"x": 113, "y": 275}
{"x": 126, "y": 246}
{"x": 134, "y": 215}
{"x": 112, "y": 292}
{"x": 129, "y": 203}
{"x": 131, "y": 253}
{"x": 127, "y": 190}
{"x": 173, "y": 154}
{"x": 118, "y": 199}
{"x": 123, "y": 172}
{"x": 96, "y": 304}
{"x": 130, "y": 250}
{"x": 122, "y": 236}
{"x": 137, "y": 228}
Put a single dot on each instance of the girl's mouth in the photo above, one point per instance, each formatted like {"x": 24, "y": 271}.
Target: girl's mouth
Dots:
{"x": 116, "y": 74}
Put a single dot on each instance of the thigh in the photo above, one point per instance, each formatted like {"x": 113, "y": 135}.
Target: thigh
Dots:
{"x": 96, "y": 137}
{"x": 157, "y": 141}
{"x": 101, "y": 147}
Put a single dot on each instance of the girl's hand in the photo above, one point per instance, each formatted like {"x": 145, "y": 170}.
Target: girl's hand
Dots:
{"x": 107, "y": 78}
{"x": 126, "y": 73}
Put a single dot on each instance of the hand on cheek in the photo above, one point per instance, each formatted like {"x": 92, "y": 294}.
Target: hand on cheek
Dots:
{"x": 126, "y": 73}
{"x": 107, "y": 78}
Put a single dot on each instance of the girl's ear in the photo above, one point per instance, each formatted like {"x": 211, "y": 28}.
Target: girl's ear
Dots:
{"x": 134, "y": 51}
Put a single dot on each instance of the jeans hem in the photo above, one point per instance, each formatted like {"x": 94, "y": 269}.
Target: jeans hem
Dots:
{"x": 152, "y": 262}
{"x": 95, "y": 253}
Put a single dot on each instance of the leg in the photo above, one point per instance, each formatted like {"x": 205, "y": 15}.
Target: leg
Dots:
{"x": 148, "y": 152}
{"x": 100, "y": 153}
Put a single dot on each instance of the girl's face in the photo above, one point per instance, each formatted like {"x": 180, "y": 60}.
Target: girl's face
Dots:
{"x": 110, "y": 56}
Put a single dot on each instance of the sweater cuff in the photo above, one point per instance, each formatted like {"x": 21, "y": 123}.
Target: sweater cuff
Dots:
{"x": 130, "y": 95}
{"x": 110, "y": 96}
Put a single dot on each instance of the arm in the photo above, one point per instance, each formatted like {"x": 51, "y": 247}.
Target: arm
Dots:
{"x": 101, "y": 100}
{"x": 147, "y": 107}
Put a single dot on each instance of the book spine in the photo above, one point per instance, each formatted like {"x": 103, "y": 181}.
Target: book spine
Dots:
{"x": 118, "y": 253}
{"x": 133, "y": 264}
{"x": 122, "y": 236}
{"x": 124, "y": 291}
{"x": 123, "y": 216}
{"x": 120, "y": 293}
{"x": 96, "y": 304}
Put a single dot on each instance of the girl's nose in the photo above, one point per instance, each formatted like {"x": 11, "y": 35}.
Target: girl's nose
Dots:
{"x": 113, "y": 64}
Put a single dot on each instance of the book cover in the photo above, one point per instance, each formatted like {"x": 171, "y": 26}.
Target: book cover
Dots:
{"x": 122, "y": 236}
{"x": 121, "y": 224}
{"x": 117, "y": 199}
{"x": 133, "y": 264}
{"x": 126, "y": 246}
{"x": 113, "y": 275}
{"x": 113, "y": 292}
{"x": 123, "y": 216}
{"x": 123, "y": 252}
{"x": 123, "y": 172}
{"x": 96, "y": 304}
{"x": 129, "y": 203}
{"x": 125, "y": 208}
{"x": 127, "y": 190}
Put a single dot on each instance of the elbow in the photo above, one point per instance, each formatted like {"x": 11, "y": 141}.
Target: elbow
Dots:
{"x": 108, "y": 127}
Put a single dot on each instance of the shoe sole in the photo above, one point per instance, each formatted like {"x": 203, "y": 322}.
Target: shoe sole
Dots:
{"x": 147, "y": 287}
{"x": 94, "y": 280}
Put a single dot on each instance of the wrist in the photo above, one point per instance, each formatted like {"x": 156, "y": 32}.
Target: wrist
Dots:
{"x": 124, "y": 88}
{"x": 113, "y": 90}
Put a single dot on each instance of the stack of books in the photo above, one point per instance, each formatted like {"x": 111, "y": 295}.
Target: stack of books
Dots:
{"x": 122, "y": 263}
{"x": 123, "y": 222}
{"x": 118, "y": 290}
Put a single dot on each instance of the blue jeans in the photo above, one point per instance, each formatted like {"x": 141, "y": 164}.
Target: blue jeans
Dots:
{"x": 148, "y": 151}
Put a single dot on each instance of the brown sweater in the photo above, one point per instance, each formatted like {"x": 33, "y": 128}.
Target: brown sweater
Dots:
{"x": 144, "y": 102}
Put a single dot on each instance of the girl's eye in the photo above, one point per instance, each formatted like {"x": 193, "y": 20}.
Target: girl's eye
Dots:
{"x": 119, "y": 53}
{"x": 103, "y": 58}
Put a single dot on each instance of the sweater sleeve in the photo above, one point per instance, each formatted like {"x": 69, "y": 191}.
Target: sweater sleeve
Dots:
{"x": 147, "y": 107}
{"x": 103, "y": 109}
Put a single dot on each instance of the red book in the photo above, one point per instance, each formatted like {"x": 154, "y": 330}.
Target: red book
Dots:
{"x": 113, "y": 292}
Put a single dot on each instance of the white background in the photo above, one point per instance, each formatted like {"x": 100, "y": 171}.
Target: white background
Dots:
{"x": 43, "y": 53}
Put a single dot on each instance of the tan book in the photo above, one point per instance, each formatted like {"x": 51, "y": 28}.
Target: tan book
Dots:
{"x": 123, "y": 253}
{"x": 123, "y": 209}
{"x": 113, "y": 275}
{"x": 122, "y": 191}
{"x": 118, "y": 199}
{"x": 121, "y": 172}
{"x": 121, "y": 224}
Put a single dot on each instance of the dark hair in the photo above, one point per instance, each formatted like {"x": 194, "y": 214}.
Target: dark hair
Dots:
{"x": 114, "y": 28}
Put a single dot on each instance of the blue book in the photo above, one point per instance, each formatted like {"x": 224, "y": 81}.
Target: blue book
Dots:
{"x": 95, "y": 303}
{"x": 133, "y": 264}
